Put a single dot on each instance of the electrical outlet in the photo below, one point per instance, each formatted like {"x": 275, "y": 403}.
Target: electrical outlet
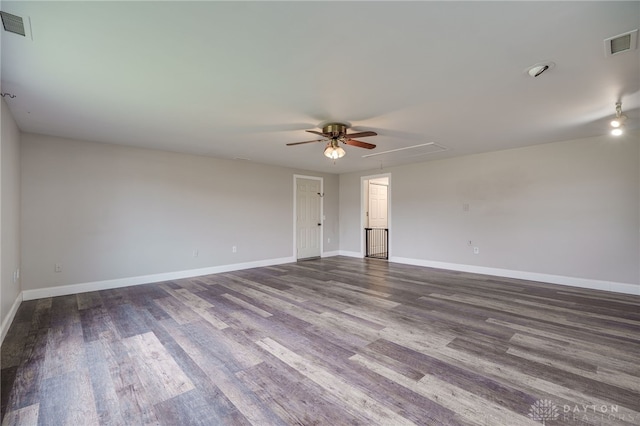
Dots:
{"x": 328, "y": 240}
{"x": 234, "y": 249}
{"x": 195, "y": 253}
{"x": 476, "y": 250}
{"x": 57, "y": 267}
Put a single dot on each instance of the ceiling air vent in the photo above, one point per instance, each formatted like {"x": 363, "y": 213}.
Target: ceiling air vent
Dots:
{"x": 13, "y": 23}
{"x": 621, "y": 43}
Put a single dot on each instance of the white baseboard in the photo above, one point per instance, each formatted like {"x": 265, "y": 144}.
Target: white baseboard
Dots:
{"x": 350, "y": 253}
{"x": 522, "y": 275}
{"x": 146, "y": 279}
{"x": 8, "y": 319}
{"x": 331, "y": 253}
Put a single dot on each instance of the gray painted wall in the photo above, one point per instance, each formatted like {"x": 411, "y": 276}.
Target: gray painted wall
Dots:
{"x": 569, "y": 208}
{"x": 9, "y": 211}
{"x": 106, "y": 212}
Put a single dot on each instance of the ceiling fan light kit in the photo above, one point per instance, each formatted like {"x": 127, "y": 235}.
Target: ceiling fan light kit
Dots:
{"x": 617, "y": 123}
{"x": 333, "y": 134}
{"x": 333, "y": 150}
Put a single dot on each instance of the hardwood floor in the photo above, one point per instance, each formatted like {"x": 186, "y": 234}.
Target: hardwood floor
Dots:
{"x": 332, "y": 341}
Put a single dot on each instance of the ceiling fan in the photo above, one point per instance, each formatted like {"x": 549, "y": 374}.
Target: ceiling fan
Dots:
{"x": 334, "y": 133}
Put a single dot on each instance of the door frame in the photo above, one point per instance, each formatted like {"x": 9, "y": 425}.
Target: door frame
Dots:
{"x": 363, "y": 209}
{"x": 295, "y": 212}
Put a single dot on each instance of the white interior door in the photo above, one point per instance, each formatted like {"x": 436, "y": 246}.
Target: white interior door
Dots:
{"x": 308, "y": 219}
{"x": 377, "y": 205}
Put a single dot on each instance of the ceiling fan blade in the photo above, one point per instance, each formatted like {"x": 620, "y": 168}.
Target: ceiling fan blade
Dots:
{"x": 360, "y": 134}
{"x": 317, "y": 133}
{"x": 300, "y": 143}
{"x": 359, "y": 144}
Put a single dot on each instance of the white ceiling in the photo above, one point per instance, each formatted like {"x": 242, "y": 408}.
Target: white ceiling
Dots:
{"x": 241, "y": 79}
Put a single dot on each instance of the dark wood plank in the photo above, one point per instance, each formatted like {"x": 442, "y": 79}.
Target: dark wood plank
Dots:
{"x": 68, "y": 398}
{"x": 189, "y": 408}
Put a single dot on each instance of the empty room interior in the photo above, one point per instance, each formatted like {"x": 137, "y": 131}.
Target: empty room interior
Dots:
{"x": 320, "y": 213}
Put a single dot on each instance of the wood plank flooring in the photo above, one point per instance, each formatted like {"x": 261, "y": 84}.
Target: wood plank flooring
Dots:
{"x": 335, "y": 341}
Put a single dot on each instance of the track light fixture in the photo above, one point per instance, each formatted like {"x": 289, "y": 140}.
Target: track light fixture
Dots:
{"x": 617, "y": 123}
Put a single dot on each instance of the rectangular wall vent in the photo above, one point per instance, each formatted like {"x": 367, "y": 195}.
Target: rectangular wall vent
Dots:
{"x": 621, "y": 43}
{"x": 13, "y": 24}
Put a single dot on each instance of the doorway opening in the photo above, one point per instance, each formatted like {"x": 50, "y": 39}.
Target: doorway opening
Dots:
{"x": 375, "y": 209}
{"x": 308, "y": 216}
